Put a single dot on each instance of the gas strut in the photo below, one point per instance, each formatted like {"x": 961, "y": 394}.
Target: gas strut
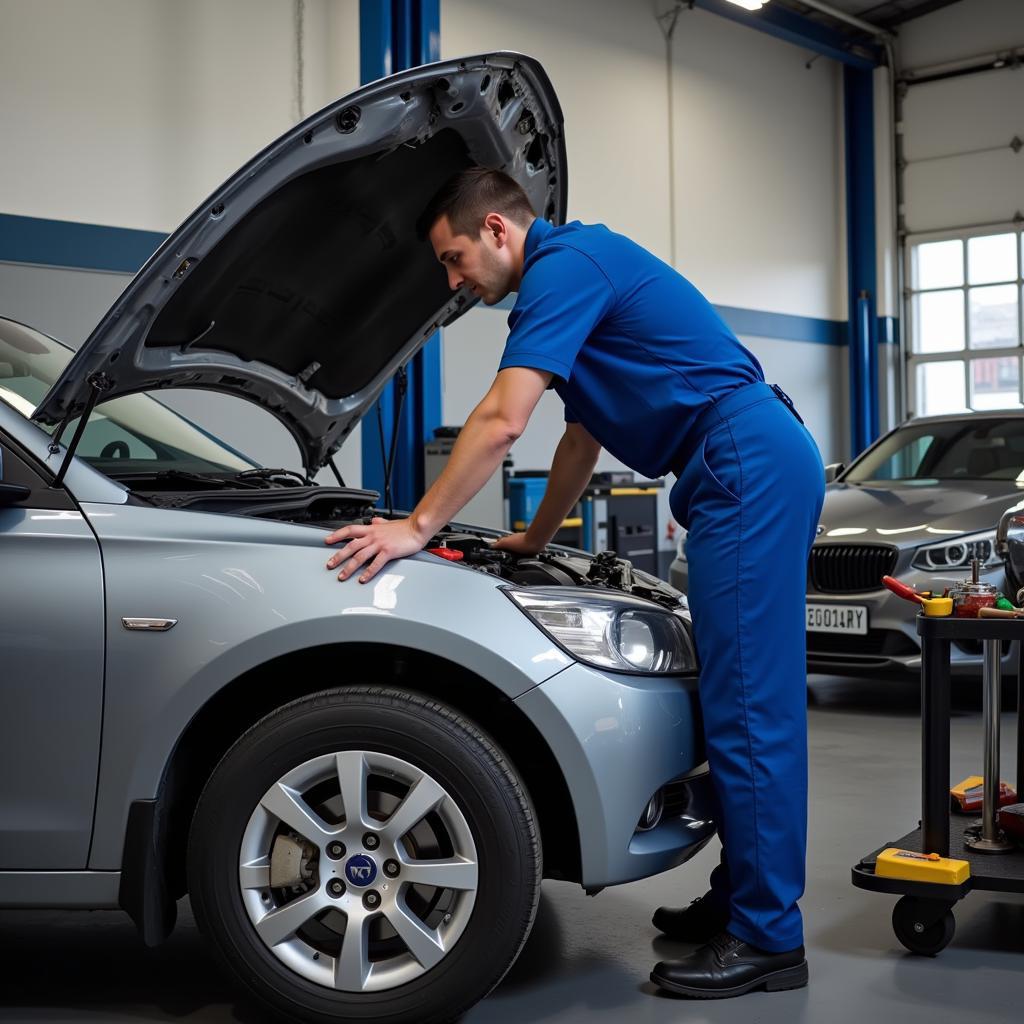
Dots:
{"x": 99, "y": 382}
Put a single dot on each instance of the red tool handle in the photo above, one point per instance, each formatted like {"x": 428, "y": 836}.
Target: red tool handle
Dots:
{"x": 902, "y": 590}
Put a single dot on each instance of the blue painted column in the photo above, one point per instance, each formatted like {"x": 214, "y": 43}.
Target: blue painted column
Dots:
{"x": 395, "y": 35}
{"x": 858, "y": 104}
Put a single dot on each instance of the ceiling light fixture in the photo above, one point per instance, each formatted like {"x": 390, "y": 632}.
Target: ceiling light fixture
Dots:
{"x": 749, "y": 5}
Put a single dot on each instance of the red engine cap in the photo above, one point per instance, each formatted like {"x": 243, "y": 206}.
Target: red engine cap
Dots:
{"x": 452, "y": 554}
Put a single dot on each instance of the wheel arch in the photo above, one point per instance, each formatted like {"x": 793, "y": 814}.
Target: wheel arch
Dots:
{"x": 153, "y": 865}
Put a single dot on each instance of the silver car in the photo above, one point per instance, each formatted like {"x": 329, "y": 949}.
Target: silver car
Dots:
{"x": 358, "y": 787}
{"x": 920, "y": 504}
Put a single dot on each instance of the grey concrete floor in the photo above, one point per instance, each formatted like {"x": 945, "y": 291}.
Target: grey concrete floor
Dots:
{"x": 588, "y": 959}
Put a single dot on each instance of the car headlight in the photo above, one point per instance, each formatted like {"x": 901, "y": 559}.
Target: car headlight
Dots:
{"x": 958, "y": 553}
{"x": 621, "y": 633}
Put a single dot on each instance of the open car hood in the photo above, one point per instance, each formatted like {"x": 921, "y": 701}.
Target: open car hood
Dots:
{"x": 301, "y": 284}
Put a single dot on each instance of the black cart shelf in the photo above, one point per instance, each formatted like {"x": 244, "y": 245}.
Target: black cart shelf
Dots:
{"x": 923, "y": 917}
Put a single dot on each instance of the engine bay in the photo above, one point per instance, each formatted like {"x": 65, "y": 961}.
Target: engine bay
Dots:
{"x": 555, "y": 566}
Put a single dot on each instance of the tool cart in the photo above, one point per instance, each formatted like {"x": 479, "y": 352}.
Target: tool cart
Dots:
{"x": 942, "y": 861}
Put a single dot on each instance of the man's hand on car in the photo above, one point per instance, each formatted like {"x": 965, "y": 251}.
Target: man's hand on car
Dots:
{"x": 518, "y": 544}
{"x": 382, "y": 541}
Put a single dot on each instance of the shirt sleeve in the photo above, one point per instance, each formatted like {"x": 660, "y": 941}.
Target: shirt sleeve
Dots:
{"x": 563, "y": 297}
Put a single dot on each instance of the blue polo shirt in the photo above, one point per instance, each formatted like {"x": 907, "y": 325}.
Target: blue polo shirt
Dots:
{"x": 636, "y": 351}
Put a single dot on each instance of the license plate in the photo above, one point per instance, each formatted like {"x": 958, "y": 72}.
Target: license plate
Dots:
{"x": 837, "y": 618}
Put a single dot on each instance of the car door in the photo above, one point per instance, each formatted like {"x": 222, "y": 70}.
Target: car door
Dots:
{"x": 51, "y": 672}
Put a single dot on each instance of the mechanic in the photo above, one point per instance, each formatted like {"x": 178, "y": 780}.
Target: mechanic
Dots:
{"x": 647, "y": 369}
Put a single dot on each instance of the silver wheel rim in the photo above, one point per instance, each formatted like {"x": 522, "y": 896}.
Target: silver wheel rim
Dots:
{"x": 345, "y": 941}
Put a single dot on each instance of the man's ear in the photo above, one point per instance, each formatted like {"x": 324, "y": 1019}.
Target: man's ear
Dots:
{"x": 494, "y": 224}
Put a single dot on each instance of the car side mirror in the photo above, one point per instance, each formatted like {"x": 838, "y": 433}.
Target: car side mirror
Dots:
{"x": 833, "y": 470}
{"x": 1010, "y": 545}
{"x": 12, "y": 494}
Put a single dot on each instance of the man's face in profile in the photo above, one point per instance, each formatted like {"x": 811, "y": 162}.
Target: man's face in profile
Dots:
{"x": 482, "y": 264}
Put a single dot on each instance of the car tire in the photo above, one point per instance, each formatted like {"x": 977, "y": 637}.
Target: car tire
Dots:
{"x": 370, "y": 725}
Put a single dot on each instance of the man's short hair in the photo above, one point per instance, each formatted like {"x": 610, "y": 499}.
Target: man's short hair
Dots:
{"x": 467, "y": 197}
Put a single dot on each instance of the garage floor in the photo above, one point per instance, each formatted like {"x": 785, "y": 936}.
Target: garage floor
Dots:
{"x": 588, "y": 959}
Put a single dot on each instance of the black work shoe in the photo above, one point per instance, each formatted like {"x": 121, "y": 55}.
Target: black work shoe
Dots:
{"x": 728, "y": 966}
{"x": 699, "y": 922}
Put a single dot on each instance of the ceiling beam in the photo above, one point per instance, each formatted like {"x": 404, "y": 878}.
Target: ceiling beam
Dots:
{"x": 800, "y": 31}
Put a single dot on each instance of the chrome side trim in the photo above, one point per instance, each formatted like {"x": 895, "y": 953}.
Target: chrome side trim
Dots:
{"x": 150, "y": 625}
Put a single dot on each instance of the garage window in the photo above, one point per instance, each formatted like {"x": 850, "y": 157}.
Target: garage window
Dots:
{"x": 964, "y": 318}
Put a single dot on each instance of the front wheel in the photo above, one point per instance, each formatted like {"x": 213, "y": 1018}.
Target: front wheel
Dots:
{"x": 365, "y": 855}
{"x": 925, "y": 927}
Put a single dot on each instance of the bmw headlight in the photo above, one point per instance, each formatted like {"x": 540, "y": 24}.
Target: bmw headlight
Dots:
{"x": 620, "y": 633}
{"x": 958, "y": 553}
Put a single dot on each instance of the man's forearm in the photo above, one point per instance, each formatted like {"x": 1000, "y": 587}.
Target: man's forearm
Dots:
{"x": 478, "y": 451}
{"x": 571, "y": 470}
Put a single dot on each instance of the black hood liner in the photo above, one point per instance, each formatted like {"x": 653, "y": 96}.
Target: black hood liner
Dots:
{"x": 304, "y": 276}
{"x": 300, "y": 284}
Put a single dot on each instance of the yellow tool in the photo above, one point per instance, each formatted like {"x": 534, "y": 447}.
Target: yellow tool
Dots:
{"x": 921, "y": 867}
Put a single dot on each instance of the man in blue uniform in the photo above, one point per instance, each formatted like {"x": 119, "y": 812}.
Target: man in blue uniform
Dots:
{"x": 648, "y": 370}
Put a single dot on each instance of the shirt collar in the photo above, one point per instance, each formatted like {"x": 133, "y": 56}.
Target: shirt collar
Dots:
{"x": 539, "y": 230}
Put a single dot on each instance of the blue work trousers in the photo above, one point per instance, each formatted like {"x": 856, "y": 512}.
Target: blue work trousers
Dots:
{"x": 749, "y": 497}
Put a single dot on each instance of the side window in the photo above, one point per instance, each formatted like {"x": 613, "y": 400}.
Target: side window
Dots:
{"x": 16, "y": 468}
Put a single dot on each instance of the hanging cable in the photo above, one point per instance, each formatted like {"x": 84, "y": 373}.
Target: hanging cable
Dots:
{"x": 299, "y": 17}
{"x": 667, "y": 24}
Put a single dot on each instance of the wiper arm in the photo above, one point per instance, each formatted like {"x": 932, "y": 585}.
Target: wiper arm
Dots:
{"x": 190, "y": 478}
{"x": 269, "y": 474}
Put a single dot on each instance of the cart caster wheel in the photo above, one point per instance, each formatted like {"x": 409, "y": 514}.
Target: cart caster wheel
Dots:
{"x": 925, "y": 927}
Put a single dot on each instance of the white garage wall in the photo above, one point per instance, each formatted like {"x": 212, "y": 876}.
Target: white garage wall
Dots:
{"x": 129, "y": 113}
{"x": 136, "y": 109}
{"x": 758, "y": 163}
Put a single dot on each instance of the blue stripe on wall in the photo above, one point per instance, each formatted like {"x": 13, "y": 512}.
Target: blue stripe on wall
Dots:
{"x": 61, "y": 243}
{"x": 762, "y": 324}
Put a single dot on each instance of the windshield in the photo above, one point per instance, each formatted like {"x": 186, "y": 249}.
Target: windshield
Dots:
{"x": 131, "y": 434}
{"x": 974, "y": 449}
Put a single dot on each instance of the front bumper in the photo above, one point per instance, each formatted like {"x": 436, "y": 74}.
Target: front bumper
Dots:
{"x": 891, "y": 645}
{"x": 620, "y": 739}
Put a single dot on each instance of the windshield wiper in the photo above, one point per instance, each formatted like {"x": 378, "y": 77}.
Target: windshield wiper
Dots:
{"x": 268, "y": 474}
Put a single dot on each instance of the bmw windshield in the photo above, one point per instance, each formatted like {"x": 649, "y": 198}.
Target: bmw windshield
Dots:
{"x": 982, "y": 448}
{"x": 128, "y": 435}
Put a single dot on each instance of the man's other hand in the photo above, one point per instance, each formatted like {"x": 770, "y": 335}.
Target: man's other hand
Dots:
{"x": 382, "y": 541}
{"x": 518, "y": 544}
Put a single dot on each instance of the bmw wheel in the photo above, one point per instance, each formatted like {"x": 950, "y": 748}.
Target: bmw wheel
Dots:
{"x": 365, "y": 855}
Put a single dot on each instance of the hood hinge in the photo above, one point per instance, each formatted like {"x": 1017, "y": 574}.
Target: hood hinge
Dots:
{"x": 99, "y": 382}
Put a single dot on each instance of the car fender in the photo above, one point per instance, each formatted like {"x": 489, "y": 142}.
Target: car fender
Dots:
{"x": 241, "y": 592}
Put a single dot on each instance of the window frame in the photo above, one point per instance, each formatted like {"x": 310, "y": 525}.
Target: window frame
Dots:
{"x": 967, "y": 355}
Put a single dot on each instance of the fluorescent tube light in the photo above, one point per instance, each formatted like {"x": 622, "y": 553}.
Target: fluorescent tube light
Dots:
{"x": 749, "y": 5}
